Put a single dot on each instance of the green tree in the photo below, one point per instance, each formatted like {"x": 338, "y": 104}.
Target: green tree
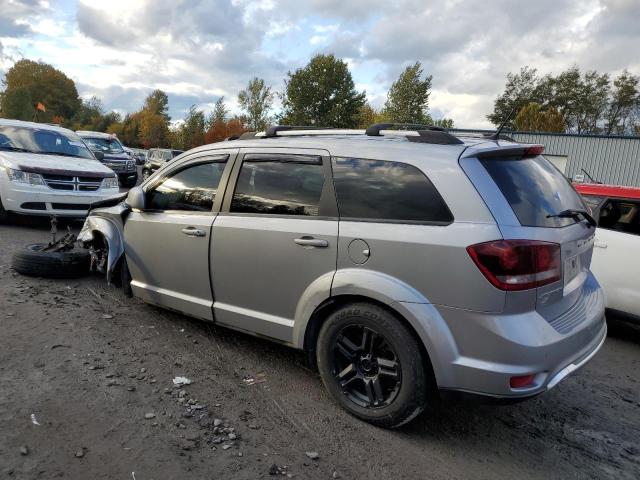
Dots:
{"x": 191, "y": 132}
{"x": 46, "y": 85}
{"x": 521, "y": 89}
{"x": 443, "y": 123}
{"x": 256, "y": 101}
{"x": 624, "y": 105}
{"x": 323, "y": 94}
{"x": 17, "y": 104}
{"x": 153, "y": 129}
{"x": 408, "y": 98}
{"x": 532, "y": 118}
{"x": 219, "y": 114}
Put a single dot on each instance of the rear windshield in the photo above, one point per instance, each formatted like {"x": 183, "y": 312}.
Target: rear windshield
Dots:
{"x": 535, "y": 189}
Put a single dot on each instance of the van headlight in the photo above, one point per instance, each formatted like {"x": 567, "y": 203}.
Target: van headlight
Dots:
{"x": 28, "y": 178}
{"x": 110, "y": 182}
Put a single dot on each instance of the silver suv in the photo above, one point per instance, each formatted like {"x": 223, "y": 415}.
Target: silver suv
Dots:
{"x": 405, "y": 262}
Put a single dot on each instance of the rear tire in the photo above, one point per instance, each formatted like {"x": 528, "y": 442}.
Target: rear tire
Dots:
{"x": 372, "y": 365}
{"x": 32, "y": 262}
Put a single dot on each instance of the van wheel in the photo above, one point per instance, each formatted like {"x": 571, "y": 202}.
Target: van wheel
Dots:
{"x": 33, "y": 262}
{"x": 372, "y": 365}
{"x": 4, "y": 215}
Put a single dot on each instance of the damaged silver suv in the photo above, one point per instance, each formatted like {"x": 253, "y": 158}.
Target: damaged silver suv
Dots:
{"x": 405, "y": 262}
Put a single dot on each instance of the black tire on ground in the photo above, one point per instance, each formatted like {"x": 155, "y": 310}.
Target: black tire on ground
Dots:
{"x": 372, "y": 391}
{"x": 4, "y": 215}
{"x": 129, "y": 183}
{"x": 32, "y": 262}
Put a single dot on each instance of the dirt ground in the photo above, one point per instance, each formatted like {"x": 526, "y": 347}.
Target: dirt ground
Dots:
{"x": 86, "y": 393}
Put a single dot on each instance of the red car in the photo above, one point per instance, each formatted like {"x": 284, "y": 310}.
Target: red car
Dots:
{"x": 616, "y": 258}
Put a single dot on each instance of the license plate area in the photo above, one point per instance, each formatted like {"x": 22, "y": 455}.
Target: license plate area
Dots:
{"x": 572, "y": 267}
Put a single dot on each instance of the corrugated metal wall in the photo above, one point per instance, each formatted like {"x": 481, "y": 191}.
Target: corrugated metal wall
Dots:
{"x": 612, "y": 160}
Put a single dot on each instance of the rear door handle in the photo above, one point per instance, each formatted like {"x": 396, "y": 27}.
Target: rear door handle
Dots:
{"x": 307, "y": 241}
{"x": 194, "y": 232}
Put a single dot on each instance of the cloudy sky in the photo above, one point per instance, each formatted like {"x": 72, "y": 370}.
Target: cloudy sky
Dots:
{"x": 197, "y": 50}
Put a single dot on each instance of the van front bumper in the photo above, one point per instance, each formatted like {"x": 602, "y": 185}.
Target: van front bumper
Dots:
{"x": 41, "y": 200}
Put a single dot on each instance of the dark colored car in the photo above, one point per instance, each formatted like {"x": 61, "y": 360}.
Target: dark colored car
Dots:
{"x": 113, "y": 155}
{"x": 157, "y": 157}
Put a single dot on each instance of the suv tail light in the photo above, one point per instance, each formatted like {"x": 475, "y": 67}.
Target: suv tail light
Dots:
{"x": 515, "y": 265}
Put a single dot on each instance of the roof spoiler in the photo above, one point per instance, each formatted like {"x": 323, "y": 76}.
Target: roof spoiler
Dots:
{"x": 520, "y": 150}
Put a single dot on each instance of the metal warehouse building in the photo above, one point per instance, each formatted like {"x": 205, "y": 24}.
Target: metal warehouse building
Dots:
{"x": 608, "y": 159}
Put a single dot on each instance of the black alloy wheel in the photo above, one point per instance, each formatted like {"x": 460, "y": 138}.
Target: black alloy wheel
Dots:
{"x": 366, "y": 367}
{"x": 371, "y": 363}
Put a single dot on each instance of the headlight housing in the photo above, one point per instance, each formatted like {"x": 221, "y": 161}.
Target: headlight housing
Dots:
{"x": 18, "y": 176}
{"x": 110, "y": 182}
{"x": 131, "y": 165}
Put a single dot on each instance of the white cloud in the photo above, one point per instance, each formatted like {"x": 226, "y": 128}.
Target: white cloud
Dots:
{"x": 197, "y": 51}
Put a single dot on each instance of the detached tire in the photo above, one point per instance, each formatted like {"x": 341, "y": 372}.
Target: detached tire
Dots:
{"x": 31, "y": 261}
{"x": 372, "y": 365}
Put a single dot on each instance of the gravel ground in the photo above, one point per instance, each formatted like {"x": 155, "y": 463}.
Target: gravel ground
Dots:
{"x": 86, "y": 392}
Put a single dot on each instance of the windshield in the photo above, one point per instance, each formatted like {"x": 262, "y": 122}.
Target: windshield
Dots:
{"x": 50, "y": 142}
{"x": 104, "y": 145}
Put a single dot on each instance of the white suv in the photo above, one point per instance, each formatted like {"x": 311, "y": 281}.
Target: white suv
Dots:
{"x": 47, "y": 170}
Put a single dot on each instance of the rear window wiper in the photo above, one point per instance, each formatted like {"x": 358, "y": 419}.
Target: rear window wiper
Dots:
{"x": 573, "y": 213}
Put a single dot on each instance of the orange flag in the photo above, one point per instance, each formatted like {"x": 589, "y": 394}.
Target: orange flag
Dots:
{"x": 40, "y": 106}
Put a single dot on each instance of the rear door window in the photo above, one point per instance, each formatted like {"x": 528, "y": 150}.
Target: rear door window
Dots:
{"x": 279, "y": 185}
{"x": 534, "y": 189}
{"x": 378, "y": 190}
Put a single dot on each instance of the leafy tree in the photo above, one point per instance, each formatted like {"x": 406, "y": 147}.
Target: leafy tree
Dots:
{"x": 521, "y": 88}
{"x": 624, "y": 104}
{"x": 408, "y": 98}
{"x": 157, "y": 102}
{"x": 586, "y": 101}
{"x": 225, "y": 129}
{"x": 17, "y": 104}
{"x": 323, "y": 94}
{"x": 366, "y": 116}
{"x": 192, "y": 132}
{"x": 256, "y": 101}
{"x": 44, "y": 84}
{"x": 532, "y": 118}
{"x": 219, "y": 114}
{"x": 443, "y": 123}
{"x": 153, "y": 129}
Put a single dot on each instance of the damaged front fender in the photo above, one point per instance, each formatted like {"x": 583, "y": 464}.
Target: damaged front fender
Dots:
{"x": 109, "y": 229}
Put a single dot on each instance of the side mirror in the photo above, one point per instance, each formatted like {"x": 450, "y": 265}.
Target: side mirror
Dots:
{"x": 135, "y": 198}
{"x": 99, "y": 155}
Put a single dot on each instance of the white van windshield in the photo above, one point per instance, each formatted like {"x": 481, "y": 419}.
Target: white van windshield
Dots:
{"x": 42, "y": 141}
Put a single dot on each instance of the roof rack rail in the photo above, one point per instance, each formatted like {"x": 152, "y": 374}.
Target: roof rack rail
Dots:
{"x": 375, "y": 129}
{"x": 417, "y": 133}
{"x": 273, "y": 130}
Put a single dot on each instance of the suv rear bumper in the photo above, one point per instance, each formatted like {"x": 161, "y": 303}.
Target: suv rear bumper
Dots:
{"x": 490, "y": 349}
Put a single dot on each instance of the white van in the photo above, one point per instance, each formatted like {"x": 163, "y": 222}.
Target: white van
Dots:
{"x": 48, "y": 170}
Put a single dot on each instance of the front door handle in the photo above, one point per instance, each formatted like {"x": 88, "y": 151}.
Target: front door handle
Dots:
{"x": 307, "y": 241}
{"x": 194, "y": 232}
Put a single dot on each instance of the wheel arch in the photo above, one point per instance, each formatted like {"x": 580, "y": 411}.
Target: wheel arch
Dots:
{"x": 96, "y": 227}
{"x": 333, "y": 303}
